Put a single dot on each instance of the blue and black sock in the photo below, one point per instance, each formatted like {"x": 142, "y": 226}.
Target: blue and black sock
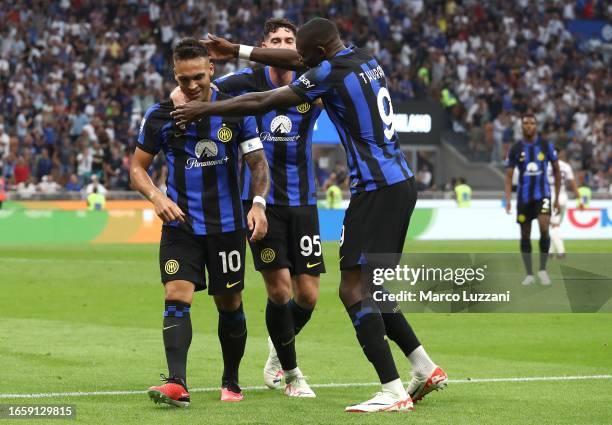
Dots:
{"x": 281, "y": 328}
{"x": 177, "y": 337}
{"x": 301, "y": 315}
{"x": 370, "y": 330}
{"x": 397, "y": 327}
{"x": 232, "y": 335}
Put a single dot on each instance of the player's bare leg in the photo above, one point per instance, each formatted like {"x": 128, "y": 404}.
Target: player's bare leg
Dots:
{"x": 281, "y": 327}
{"x": 177, "y": 339}
{"x": 232, "y": 336}
{"x": 544, "y": 223}
{"x": 370, "y": 330}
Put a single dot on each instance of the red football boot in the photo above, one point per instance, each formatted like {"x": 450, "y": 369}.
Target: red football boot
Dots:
{"x": 173, "y": 392}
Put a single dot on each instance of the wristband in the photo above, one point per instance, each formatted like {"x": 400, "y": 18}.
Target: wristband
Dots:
{"x": 260, "y": 200}
{"x": 244, "y": 52}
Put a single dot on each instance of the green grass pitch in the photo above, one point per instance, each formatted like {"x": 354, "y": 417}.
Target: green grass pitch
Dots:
{"x": 88, "y": 319}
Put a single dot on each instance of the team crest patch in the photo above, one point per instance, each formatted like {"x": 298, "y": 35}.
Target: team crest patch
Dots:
{"x": 206, "y": 147}
{"x": 224, "y": 134}
{"x": 541, "y": 156}
{"x": 171, "y": 266}
{"x": 302, "y": 108}
{"x": 268, "y": 255}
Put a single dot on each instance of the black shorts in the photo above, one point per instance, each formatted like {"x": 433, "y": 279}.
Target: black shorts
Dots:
{"x": 376, "y": 222}
{"x": 293, "y": 240}
{"x": 525, "y": 212}
{"x": 184, "y": 256}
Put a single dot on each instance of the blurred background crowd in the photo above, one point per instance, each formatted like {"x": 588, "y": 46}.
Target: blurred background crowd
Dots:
{"x": 76, "y": 76}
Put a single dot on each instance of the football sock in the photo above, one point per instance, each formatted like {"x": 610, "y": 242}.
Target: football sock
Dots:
{"x": 544, "y": 247}
{"x": 397, "y": 327}
{"x": 232, "y": 335}
{"x": 395, "y": 387}
{"x": 177, "y": 337}
{"x": 290, "y": 375}
{"x": 279, "y": 321}
{"x": 370, "y": 330}
{"x": 557, "y": 242}
{"x": 422, "y": 365}
{"x": 526, "y": 254}
{"x": 301, "y": 315}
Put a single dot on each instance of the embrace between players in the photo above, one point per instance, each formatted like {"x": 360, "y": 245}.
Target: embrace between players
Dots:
{"x": 209, "y": 209}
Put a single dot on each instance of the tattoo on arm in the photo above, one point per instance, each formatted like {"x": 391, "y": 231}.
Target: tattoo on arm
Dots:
{"x": 260, "y": 176}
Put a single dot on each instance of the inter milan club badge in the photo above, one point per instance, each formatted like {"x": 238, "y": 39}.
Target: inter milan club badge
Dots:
{"x": 224, "y": 134}
{"x": 302, "y": 108}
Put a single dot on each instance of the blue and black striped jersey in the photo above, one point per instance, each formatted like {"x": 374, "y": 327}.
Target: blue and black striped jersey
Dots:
{"x": 532, "y": 160}
{"x": 202, "y": 164}
{"x": 286, "y": 135}
{"x": 354, "y": 91}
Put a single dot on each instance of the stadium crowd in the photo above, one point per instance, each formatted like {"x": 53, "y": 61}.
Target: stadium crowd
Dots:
{"x": 76, "y": 76}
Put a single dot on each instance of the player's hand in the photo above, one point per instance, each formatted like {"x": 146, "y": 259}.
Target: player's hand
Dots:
{"x": 580, "y": 206}
{"x": 188, "y": 112}
{"x": 257, "y": 222}
{"x": 167, "y": 210}
{"x": 508, "y": 207}
{"x": 556, "y": 206}
{"x": 178, "y": 97}
{"x": 219, "y": 48}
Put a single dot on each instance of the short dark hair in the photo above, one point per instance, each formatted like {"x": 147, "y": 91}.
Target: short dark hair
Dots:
{"x": 273, "y": 24}
{"x": 528, "y": 115}
{"x": 189, "y": 48}
{"x": 319, "y": 31}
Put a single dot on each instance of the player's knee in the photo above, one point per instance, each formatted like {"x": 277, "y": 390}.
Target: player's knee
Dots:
{"x": 279, "y": 294}
{"x": 307, "y": 291}
{"x": 307, "y": 298}
{"x": 179, "y": 291}
{"x": 349, "y": 293}
{"x": 228, "y": 302}
{"x": 526, "y": 245}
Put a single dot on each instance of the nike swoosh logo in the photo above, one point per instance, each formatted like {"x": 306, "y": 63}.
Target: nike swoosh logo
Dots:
{"x": 231, "y": 285}
{"x": 284, "y": 344}
{"x": 168, "y": 327}
{"x": 310, "y": 266}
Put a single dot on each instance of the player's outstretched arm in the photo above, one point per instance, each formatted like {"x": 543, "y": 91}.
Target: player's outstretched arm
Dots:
{"x": 260, "y": 184}
{"x": 221, "y": 49}
{"x": 508, "y": 188}
{"x": 140, "y": 181}
{"x": 247, "y": 104}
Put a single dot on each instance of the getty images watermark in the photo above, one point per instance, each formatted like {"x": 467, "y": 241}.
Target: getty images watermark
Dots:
{"x": 483, "y": 283}
{"x": 414, "y": 275}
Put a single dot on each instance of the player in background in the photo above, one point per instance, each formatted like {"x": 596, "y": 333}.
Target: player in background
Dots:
{"x": 289, "y": 257}
{"x": 567, "y": 177}
{"x": 532, "y": 156}
{"x": 204, "y": 225}
{"x": 353, "y": 88}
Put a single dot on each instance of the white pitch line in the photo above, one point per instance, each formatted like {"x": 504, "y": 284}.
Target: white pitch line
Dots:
{"x": 330, "y": 385}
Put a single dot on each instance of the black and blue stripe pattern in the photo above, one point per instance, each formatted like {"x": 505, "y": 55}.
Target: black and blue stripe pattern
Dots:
{"x": 353, "y": 88}
{"x": 286, "y": 135}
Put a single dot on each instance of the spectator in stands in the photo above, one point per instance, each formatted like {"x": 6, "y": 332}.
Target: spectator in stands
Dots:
{"x": 96, "y": 186}
{"x": 73, "y": 184}
{"x": 48, "y": 186}
{"x": 72, "y": 71}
